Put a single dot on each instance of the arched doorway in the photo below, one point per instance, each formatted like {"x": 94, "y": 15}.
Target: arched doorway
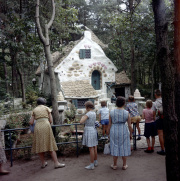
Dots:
{"x": 95, "y": 80}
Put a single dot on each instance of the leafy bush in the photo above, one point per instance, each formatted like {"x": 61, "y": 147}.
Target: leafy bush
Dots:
{"x": 31, "y": 97}
{"x": 70, "y": 114}
{"x": 26, "y": 118}
{"x": 14, "y": 121}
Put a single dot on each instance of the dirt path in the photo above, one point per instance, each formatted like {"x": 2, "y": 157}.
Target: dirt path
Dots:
{"x": 142, "y": 167}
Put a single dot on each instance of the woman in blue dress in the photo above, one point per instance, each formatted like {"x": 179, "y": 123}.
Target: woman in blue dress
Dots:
{"x": 119, "y": 134}
{"x": 90, "y": 134}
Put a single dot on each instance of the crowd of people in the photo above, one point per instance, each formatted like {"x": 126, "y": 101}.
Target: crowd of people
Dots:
{"x": 116, "y": 126}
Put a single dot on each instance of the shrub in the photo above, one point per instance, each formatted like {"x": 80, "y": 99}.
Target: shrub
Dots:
{"x": 70, "y": 114}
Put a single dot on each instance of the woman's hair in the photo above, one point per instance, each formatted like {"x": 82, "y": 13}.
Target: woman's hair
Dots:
{"x": 131, "y": 98}
{"x": 148, "y": 103}
{"x": 41, "y": 101}
{"x": 89, "y": 104}
{"x": 120, "y": 101}
{"x": 103, "y": 103}
{"x": 157, "y": 92}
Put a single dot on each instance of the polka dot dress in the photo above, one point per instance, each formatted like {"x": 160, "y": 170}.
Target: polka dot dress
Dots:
{"x": 43, "y": 139}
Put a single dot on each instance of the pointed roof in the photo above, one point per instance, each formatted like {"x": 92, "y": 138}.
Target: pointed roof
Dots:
{"x": 58, "y": 57}
{"x": 121, "y": 78}
{"x": 78, "y": 89}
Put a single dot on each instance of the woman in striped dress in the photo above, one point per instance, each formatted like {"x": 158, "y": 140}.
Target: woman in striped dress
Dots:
{"x": 119, "y": 133}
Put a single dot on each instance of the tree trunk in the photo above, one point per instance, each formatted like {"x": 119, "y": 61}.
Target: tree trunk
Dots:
{"x": 122, "y": 56}
{"x": 22, "y": 84}
{"x": 168, "y": 88}
{"x": 46, "y": 44}
{"x": 132, "y": 49}
{"x": 177, "y": 66}
{"x": 53, "y": 86}
{"x": 152, "y": 78}
{"x": 5, "y": 71}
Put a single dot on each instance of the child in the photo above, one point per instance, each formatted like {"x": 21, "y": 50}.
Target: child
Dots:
{"x": 90, "y": 134}
{"x": 150, "y": 127}
{"x": 104, "y": 118}
{"x": 132, "y": 108}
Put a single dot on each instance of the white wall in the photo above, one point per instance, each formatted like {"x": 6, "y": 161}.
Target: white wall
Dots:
{"x": 73, "y": 68}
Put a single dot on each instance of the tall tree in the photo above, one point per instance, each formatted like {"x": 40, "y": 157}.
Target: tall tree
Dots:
{"x": 177, "y": 67}
{"x": 46, "y": 43}
{"x": 168, "y": 90}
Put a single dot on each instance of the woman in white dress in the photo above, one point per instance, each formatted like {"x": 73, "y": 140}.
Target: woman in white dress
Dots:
{"x": 90, "y": 134}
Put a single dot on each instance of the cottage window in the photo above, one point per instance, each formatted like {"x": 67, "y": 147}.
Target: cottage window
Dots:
{"x": 79, "y": 103}
{"x": 85, "y": 53}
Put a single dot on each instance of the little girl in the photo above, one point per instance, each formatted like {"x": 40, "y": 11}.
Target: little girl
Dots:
{"x": 150, "y": 127}
{"x": 90, "y": 134}
{"x": 104, "y": 118}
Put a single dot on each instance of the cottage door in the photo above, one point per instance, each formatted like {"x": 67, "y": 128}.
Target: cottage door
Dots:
{"x": 95, "y": 80}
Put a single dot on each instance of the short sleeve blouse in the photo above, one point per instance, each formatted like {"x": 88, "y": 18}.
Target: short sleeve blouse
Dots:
{"x": 41, "y": 111}
{"x": 91, "y": 119}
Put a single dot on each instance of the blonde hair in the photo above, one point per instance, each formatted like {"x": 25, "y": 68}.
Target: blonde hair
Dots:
{"x": 148, "y": 103}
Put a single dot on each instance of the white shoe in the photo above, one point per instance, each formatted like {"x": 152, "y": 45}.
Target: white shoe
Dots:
{"x": 95, "y": 163}
{"x": 59, "y": 165}
{"x": 90, "y": 167}
{"x": 106, "y": 137}
{"x": 102, "y": 138}
{"x": 44, "y": 165}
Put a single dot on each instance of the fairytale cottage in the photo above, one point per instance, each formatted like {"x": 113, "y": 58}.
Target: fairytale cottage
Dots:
{"x": 83, "y": 72}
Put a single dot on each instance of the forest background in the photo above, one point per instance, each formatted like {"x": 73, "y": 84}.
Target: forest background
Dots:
{"x": 143, "y": 39}
{"x": 126, "y": 26}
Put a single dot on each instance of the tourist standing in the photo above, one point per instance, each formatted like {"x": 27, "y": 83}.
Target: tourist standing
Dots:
{"x": 104, "y": 119}
{"x": 119, "y": 133}
{"x": 2, "y": 158}
{"x": 132, "y": 108}
{"x": 158, "y": 108}
{"x": 43, "y": 139}
{"x": 150, "y": 126}
{"x": 90, "y": 134}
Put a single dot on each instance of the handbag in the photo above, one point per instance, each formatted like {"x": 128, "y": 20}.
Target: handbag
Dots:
{"x": 107, "y": 149}
{"x": 32, "y": 126}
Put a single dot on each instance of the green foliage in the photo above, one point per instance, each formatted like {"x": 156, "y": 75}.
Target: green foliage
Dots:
{"x": 26, "y": 118}
{"x": 70, "y": 114}
{"x": 14, "y": 121}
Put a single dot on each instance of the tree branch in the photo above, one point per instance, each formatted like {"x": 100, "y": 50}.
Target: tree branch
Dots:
{"x": 39, "y": 29}
{"x": 53, "y": 14}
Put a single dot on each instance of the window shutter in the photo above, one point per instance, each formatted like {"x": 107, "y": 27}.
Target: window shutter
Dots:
{"x": 92, "y": 100}
{"x": 74, "y": 101}
{"x": 82, "y": 53}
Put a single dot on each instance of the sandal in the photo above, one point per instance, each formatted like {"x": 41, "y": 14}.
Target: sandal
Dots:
{"x": 125, "y": 167}
{"x": 44, "y": 165}
{"x": 114, "y": 167}
{"x": 4, "y": 172}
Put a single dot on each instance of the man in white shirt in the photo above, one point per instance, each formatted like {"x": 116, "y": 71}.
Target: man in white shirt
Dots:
{"x": 158, "y": 108}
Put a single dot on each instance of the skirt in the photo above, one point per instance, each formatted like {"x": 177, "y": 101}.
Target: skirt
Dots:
{"x": 2, "y": 152}
{"x": 90, "y": 137}
{"x": 43, "y": 139}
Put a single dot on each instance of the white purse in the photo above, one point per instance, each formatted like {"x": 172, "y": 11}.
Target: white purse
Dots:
{"x": 107, "y": 149}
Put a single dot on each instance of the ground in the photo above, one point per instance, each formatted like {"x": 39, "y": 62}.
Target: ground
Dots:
{"x": 142, "y": 167}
